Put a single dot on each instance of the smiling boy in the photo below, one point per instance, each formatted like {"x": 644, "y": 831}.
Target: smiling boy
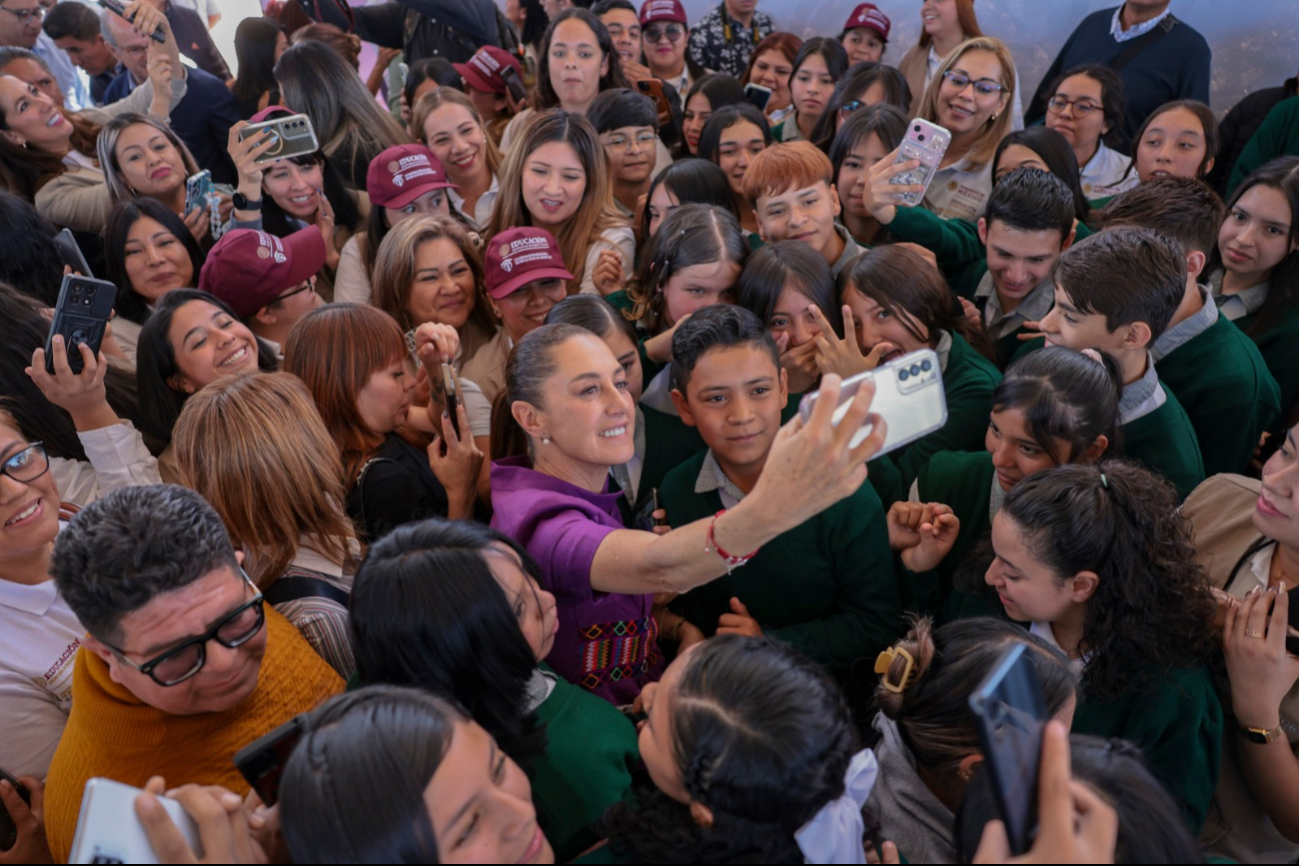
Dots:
{"x": 791, "y": 189}
{"x": 1117, "y": 291}
{"x": 844, "y": 602}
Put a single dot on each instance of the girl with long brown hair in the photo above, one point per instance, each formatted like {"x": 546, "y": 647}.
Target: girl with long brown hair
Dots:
{"x": 556, "y": 177}
{"x": 255, "y": 448}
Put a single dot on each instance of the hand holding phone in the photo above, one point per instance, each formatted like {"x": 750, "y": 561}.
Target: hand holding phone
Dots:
{"x": 516, "y": 88}
{"x": 294, "y": 136}
{"x": 262, "y": 761}
{"x": 925, "y": 143}
{"x": 653, "y": 88}
{"x": 757, "y": 96}
{"x": 452, "y": 397}
{"x": 15, "y": 808}
{"x": 110, "y": 829}
{"x": 80, "y": 316}
{"x": 118, "y": 7}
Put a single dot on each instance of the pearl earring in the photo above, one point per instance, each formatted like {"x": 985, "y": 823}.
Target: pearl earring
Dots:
{"x": 545, "y": 440}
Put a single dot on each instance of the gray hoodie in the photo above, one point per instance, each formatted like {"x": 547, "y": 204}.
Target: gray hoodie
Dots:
{"x": 900, "y": 804}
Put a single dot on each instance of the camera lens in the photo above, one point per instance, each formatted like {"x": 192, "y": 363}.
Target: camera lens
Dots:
{"x": 920, "y": 138}
{"x": 903, "y": 375}
{"x": 926, "y": 366}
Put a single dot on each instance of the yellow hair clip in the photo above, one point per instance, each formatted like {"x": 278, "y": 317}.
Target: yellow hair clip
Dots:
{"x": 885, "y": 661}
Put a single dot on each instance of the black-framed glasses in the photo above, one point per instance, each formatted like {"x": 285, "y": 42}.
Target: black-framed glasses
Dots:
{"x": 28, "y": 464}
{"x": 182, "y": 662}
{"x": 1081, "y": 107}
{"x": 308, "y": 286}
{"x": 851, "y": 106}
{"x": 982, "y": 86}
{"x": 26, "y": 15}
{"x": 673, "y": 32}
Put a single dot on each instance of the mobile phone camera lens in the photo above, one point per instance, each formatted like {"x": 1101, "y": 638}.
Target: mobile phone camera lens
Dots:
{"x": 920, "y": 138}
{"x": 915, "y": 369}
{"x": 903, "y": 375}
{"x": 926, "y": 366}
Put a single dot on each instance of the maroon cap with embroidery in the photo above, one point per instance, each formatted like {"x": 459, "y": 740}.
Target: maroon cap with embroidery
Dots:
{"x": 869, "y": 15}
{"x": 516, "y": 257}
{"x": 483, "y": 71}
{"x": 663, "y": 10}
{"x": 401, "y": 174}
{"x": 248, "y": 269}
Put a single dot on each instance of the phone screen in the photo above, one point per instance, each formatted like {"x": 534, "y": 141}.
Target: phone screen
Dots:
{"x": 1292, "y": 642}
{"x": 757, "y": 96}
{"x": 1011, "y": 715}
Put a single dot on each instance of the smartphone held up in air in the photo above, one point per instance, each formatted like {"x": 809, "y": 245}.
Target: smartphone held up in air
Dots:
{"x": 81, "y": 314}
{"x": 512, "y": 81}
{"x": 70, "y": 252}
{"x": 909, "y": 397}
{"x": 295, "y": 136}
{"x": 757, "y": 96}
{"x": 925, "y": 143}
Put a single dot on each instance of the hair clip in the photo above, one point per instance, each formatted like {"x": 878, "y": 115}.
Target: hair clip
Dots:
{"x": 1094, "y": 355}
{"x": 885, "y": 661}
{"x": 1104, "y": 483}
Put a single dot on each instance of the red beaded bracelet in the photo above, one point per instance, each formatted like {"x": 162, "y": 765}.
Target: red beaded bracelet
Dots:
{"x": 710, "y": 543}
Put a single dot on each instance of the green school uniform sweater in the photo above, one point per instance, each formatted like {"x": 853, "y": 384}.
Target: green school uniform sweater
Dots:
{"x": 1223, "y": 383}
{"x": 1176, "y": 719}
{"x": 1277, "y": 135}
{"x": 963, "y": 481}
{"x": 669, "y": 442}
{"x": 826, "y": 586}
{"x": 591, "y": 750}
{"x": 968, "y": 381}
{"x": 1279, "y": 346}
{"x": 1165, "y": 442}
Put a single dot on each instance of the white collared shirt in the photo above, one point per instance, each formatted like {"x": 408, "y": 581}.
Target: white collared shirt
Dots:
{"x": 482, "y": 208}
{"x": 1106, "y": 174}
{"x": 1121, "y": 35}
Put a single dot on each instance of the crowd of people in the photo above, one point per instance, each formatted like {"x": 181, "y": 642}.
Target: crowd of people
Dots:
{"x": 471, "y": 440}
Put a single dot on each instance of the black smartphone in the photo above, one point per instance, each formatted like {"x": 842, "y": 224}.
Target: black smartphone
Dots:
{"x": 757, "y": 96}
{"x": 120, "y": 8}
{"x": 70, "y": 252}
{"x": 517, "y": 90}
{"x": 644, "y": 518}
{"x": 1292, "y": 643}
{"x": 453, "y": 397}
{"x": 262, "y": 761}
{"x": 1011, "y": 714}
{"x": 8, "y": 829}
{"x": 83, "y": 309}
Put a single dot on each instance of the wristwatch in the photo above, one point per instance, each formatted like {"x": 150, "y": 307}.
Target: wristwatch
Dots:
{"x": 241, "y": 202}
{"x": 1262, "y": 736}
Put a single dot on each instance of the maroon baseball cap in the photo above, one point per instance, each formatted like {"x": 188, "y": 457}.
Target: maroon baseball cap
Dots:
{"x": 249, "y": 269}
{"x": 483, "y": 71}
{"x": 663, "y": 10}
{"x": 401, "y": 174}
{"x": 869, "y": 15}
{"x": 516, "y": 257}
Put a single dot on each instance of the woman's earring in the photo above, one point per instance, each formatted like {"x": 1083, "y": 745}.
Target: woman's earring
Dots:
{"x": 545, "y": 440}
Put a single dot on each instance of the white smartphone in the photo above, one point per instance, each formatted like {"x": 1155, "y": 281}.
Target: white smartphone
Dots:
{"x": 909, "y": 397}
{"x": 295, "y": 136}
{"x": 108, "y": 830}
{"x": 925, "y": 142}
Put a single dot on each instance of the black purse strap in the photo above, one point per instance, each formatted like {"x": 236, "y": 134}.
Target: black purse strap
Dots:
{"x": 292, "y": 587}
{"x": 1142, "y": 42}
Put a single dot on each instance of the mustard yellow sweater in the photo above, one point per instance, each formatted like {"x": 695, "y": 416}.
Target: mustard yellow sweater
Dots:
{"x": 111, "y": 733}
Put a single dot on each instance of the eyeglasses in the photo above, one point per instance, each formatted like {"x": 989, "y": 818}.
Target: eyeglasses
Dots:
{"x": 234, "y": 630}
{"x": 27, "y": 465}
{"x": 982, "y": 86}
{"x": 644, "y": 141}
{"x": 26, "y": 15}
{"x": 308, "y": 286}
{"x": 673, "y": 32}
{"x": 849, "y": 107}
{"x": 1081, "y": 107}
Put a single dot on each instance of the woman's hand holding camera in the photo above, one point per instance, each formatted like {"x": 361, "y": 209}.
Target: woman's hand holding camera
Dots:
{"x": 456, "y": 461}
{"x": 880, "y": 196}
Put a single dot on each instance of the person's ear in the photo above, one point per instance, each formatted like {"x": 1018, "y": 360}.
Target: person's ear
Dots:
{"x": 1082, "y": 586}
{"x": 1195, "y": 262}
{"x": 1095, "y": 450}
{"x": 1137, "y": 336}
{"x": 1073, "y": 236}
{"x": 97, "y": 647}
{"x": 264, "y": 316}
{"x": 13, "y": 138}
{"x": 968, "y": 765}
{"x": 683, "y": 408}
{"x": 1208, "y": 167}
{"x": 179, "y": 383}
{"x": 834, "y": 201}
{"x": 239, "y": 557}
{"x": 983, "y": 231}
{"x": 784, "y": 388}
{"x": 530, "y": 418}
{"x": 604, "y": 66}
{"x": 702, "y": 815}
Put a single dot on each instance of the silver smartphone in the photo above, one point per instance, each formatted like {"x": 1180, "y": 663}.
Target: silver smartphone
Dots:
{"x": 295, "y": 137}
{"x": 197, "y": 188}
{"x": 927, "y": 143}
{"x": 909, "y": 397}
{"x": 108, "y": 830}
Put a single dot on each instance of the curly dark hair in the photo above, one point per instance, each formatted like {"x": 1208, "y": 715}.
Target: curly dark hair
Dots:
{"x": 762, "y": 738}
{"x": 1116, "y": 519}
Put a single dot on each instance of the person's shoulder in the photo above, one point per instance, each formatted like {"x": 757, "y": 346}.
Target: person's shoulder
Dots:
{"x": 1189, "y": 37}
{"x": 975, "y": 369}
{"x": 679, "y": 482}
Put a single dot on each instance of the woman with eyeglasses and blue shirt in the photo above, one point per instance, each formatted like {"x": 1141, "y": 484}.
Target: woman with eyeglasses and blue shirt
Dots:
{"x": 970, "y": 97}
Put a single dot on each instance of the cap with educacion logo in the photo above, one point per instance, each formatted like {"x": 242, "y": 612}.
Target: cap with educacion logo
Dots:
{"x": 869, "y": 15}
{"x": 401, "y": 174}
{"x": 249, "y": 269}
{"x": 516, "y": 257}
{"x": 662, "y": 10}
{"x": 483, "y": 71}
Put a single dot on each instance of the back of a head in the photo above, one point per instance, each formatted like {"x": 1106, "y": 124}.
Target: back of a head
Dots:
{"x": 33, "y": 267}
{"x": 931, "y": 705}
{"x": 1151, "y": 827}
{"x": 77, "y": 20}
{"x": 317, "y": 81}
{"x": 353, "y": 788}
{"x": 1032, "y": 200}
{"x": 790, "y": 165}
{"x": 255, "y": 42}
{"x": 620, "y": 107}
{"x": 426, "y": 611}
{"x": 1182, "y": 208}
{"x": 1063, "y": 395}
{"x": 1127, "y": 275}
{"x": 592, "y": 313}
{"x": 720, "y": 326}
{"x": 693, "y": 234}
{"x": 719, "y": 88}
{"x": 120, "y": 552}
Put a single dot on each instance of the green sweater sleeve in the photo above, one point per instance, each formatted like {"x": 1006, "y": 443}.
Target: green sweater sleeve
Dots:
{"x": 867, "y": 605}
{"x": 955, "y": 243}
{"x": 1278, "y": 135}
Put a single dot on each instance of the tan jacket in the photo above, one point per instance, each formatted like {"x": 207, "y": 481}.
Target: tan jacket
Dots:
{"x": 914, "y": 66}
{"x": 486, "y": 368}
{"x": 1237, "y": 828}
{"x": 78, "y": 198}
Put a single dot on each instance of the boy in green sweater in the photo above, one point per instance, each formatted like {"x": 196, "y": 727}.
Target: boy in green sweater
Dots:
{"x": 1117, "y": 291}
{"x": 827, "y": 586}
{"x": 1002, "y": 266}
{"x": 1217, "y": 373}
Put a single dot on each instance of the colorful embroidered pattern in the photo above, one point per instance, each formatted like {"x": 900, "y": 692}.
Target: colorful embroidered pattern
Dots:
{"x": 614, "y": 651}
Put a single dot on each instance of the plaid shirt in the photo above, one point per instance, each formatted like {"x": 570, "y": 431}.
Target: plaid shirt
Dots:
{"x": 712, "y": 50}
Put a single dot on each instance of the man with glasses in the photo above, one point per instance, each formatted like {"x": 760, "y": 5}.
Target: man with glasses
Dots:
{"x": 269, "y": 282}
{"x": 183, "y": 663}
{"x": 628, "y": 126}
{"x": 20, "y": 26}
{"x": 1159, "y": 58}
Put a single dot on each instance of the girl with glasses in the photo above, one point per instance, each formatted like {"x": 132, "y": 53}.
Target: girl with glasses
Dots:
{"x": 969, "y": 97}
{"x": 1086, "y": 107}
